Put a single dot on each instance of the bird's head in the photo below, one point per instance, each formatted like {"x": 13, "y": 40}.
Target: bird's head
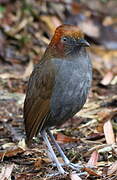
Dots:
{"x": 67, "y": 41}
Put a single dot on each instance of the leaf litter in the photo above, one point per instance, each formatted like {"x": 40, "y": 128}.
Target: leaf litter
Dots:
{"x": 90, "y": 137}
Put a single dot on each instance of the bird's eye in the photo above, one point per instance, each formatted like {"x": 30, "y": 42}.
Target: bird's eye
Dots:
{"x": 64, "y": 39}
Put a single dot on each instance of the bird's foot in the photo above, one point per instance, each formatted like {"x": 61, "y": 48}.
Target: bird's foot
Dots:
{"x": 57, "y": 174}
{"x": 66, "y": 173}
{"x": 77, "y": 167}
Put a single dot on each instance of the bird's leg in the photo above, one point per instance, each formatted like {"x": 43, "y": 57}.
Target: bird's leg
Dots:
{"x": 66, "y": 160}
{"x": 51, "y": 151}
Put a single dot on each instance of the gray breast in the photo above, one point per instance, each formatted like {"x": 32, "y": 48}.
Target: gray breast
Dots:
{"x": 72, "y": 82}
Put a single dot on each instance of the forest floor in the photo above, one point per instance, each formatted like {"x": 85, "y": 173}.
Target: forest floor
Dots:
{"x": 90, "y": 137}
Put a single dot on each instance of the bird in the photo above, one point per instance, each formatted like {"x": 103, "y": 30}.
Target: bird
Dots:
{"x": 58, "y": 88}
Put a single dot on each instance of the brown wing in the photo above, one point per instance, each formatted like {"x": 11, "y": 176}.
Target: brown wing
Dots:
{"x": 37, "y": 101}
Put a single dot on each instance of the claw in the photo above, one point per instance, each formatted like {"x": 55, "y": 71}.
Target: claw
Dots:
{"x": 76, "y": 167}
{"x": 56, "y": 174}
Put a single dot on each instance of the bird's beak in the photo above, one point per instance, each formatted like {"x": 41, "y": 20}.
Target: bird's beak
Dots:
{"x": 83, "y": 42}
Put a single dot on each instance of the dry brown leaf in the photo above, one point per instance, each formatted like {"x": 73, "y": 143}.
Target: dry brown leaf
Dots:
{"x": 93, "y": 159}
{"x": 103, "y": 116}
{"x": 95, "y": 136}
{"x": 9, "y": 75}
{"x": 100, "y": 148}
{"x": 108, "y": 132}
{"x": 107, "y": 79}
{"x": 40, "y": 161}
{"x": 22, "y": 144}
{"x": 90, "y": 28}
{"x": 65, "y": 139}
{"x": 108, "y": 20}
{"x": 56, "y": 21}
{"x": 114, "y": 81}
{"x": 11, "y": 152}
{"x": 105, "y": 60}
{"x": 8, "y": 145}
{"x": 91, "y": 172}
{"x": 49, "y": 22}
{"x": 74, "y": 176}
{"x": 6, "y": 172}
{"x": 112, "y": 168}
{"x": 28, "y": 70}
{"x": 19, "y": 26}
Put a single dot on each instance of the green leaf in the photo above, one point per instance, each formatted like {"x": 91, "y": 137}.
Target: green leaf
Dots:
{"x": 2, "y": 9}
